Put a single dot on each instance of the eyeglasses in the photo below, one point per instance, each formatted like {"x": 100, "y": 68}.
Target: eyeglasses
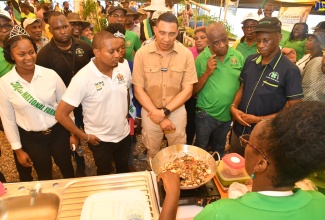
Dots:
{"x": 244, "y": 141}
{"x": 249, "y": 27}
{"x": 7, "y": 27}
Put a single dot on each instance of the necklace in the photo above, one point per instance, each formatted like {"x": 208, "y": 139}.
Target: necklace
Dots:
{"x": 73, "y": 55}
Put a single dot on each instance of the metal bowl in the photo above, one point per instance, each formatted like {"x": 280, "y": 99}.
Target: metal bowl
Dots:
{"x": 169, "y": 154}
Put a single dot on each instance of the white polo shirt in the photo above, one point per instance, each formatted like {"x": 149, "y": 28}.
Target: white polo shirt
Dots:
{"x": 32, "y": 105}
{"x": 104, "y": 101}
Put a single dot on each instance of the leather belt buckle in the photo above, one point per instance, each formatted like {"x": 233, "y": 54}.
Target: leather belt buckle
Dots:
{"x": 47, "y": 131}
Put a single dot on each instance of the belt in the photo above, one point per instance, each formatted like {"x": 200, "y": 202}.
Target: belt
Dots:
{"x": 44, "y": 132}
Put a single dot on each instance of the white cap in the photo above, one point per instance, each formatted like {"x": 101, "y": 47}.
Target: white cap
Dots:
{"x": 156, "y": 14}
{"x": 5, "y": 14}
{"x": 251, "y": 16}
{"x": 29, "y": 21}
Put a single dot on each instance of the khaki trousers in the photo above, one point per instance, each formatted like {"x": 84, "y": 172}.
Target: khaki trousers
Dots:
{"x": 152, "y": 134}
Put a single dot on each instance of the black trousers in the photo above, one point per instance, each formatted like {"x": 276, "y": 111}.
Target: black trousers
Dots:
{"x": 41, "y": 148}
{"x": 190, "y": 106}
{"x": 106, "y": 152}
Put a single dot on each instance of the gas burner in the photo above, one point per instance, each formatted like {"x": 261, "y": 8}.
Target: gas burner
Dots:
{"x": 201, "y": 196}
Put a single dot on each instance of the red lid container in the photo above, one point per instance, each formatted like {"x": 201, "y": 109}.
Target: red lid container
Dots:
{"x": 235, "y": 163}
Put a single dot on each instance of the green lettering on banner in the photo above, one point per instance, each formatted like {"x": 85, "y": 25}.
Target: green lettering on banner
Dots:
{"x": 49, "y": 111}
{"x": 25, "y": 95}
{"x": 17, "y": 87}
{"x": 30, "y": 99}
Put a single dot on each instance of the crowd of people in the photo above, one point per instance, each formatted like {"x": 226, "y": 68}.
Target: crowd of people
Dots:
{"x": 62, "y": 84}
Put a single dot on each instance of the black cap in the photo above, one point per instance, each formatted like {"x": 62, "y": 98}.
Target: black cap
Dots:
{"x": 272, "y": 24}
{"x": 114, "y": 8}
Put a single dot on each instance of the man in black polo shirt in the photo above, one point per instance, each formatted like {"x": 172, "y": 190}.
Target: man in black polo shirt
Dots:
{"x": 269, "y": 83}
{"x": 65, "y": 55}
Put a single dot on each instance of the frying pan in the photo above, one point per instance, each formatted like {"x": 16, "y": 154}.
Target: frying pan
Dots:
{"x": 169, "y": 154}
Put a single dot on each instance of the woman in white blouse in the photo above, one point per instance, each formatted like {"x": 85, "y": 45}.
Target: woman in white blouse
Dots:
{"x": 29, "y": 95}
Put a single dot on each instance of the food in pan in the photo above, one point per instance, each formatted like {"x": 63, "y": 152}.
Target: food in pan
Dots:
{"x": 192, "y": 171}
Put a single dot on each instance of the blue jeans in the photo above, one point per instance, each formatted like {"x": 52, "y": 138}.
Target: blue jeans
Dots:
{"x": 208, "y": 127}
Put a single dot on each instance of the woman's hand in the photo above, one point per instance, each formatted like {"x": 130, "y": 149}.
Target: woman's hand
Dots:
{"x": 23, "y": 158}
{"x": 171, "y": 183}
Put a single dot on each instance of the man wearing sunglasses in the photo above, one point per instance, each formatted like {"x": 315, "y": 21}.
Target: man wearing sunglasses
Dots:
{"x": 6, "y": 25}
{"x": 269, "y": 83}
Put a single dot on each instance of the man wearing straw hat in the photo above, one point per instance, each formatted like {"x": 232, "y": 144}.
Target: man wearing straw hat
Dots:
{"x": 163, "y": 78}
{"x": 76, "y": 24}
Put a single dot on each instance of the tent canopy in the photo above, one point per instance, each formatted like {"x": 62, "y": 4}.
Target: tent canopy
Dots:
{"x": 255, "y": 3}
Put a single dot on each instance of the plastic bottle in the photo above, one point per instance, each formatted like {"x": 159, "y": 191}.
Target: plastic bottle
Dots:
{"x": 80, "y": 151}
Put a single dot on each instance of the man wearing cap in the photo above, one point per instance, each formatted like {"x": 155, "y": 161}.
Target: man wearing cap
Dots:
{"x": 129, "y": 21}
{"x": 33, "y": 27}
{"x": 116, "y": 14}
{"x": 76, "y": 24}
{"x": 218, "y": 68}
{"x": 247, "y": 44}
{"x": 269, "y": 83}
{"x": 66, "y": 55}
{"x": 6, "y": 26}
{"x": 320, "y": 27}
{"x": 163, "y": 78}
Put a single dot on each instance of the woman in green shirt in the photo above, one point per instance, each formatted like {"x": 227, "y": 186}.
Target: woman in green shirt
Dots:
{"x": 279, "y": 152}
{"x": 297, "y": 39}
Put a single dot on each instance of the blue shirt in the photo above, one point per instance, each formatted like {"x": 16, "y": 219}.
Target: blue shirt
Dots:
{"x": 267, "y": 88}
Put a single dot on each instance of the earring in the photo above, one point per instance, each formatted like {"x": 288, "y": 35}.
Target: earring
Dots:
{"x": 253, "y": 175}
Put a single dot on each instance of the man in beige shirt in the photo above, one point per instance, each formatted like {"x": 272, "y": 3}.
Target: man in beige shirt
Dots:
{"x": 163, "y": 77}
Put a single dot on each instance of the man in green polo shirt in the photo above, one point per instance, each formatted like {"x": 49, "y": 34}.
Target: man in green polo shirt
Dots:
{"x": 6, "y": 26}
{"x": 218, "y": 68}
{"x": 247, "y": 44}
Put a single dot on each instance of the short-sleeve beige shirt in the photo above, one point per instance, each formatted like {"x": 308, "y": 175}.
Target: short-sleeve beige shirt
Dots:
{"x": 162, "y": 78}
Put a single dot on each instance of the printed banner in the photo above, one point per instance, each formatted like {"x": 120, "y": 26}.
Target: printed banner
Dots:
{"x": 291, "y": 15}
{"x": 231, "y": 7}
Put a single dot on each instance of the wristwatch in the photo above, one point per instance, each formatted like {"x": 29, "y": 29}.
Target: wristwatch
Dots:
{"x": 166, "y": 112}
